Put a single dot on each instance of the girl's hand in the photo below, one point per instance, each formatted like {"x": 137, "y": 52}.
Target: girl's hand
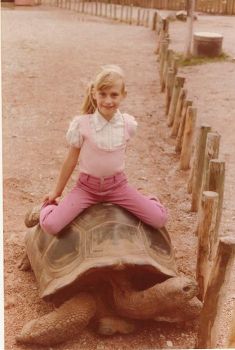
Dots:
{"x": 51, "y": 197}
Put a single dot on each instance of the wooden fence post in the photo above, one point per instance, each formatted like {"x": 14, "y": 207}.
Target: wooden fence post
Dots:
{"x": 211, "y": 152}
{"x": 178, "y": 111}
{"x": 165, "y": 26}
{"x": 187, "y": 142}
{"x": 169, "y": 84}
{"x": 179, "y": 138}
{"x": 214, "y": 297}
{"x": 138, "y": 17}
{"x": 178, "y": 84}
{"x": 122, "y": 11}
{"x": 160, "y": 47}
{"x": 96, "y": 8}
{"x": 131, "y": 14}
{"x": 154, "y": 21}
{"x": 115, "y": 12}
{"x": 102, "y": 7}
{"x": 163, "y": 57}
{"x": 167, "y": 64}
{"x": 127, "y": 13}
{"x": 216, "y": 183}
{"x": 160, "y": 37}
{"x": 73, "y": 2}
{"x": 197, "y": 169}
{"x": 143, "y": 17}
{"x": 206, "y": 239}
{"x": 175, "y": 65}
{"x": 111, "y": 10}
{"x": 157, "y": 23}
{"x": 106, "y": 10}
{"x": 147, "y": 19}
{"x": 78, "y": 6}
{"x": 231, "y": 340}
{"x": 92, "y": 9}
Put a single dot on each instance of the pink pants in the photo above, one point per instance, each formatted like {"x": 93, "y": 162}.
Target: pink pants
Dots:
{"x": 91, "y": 190}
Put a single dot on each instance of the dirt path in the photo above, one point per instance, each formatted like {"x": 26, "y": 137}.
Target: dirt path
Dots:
{"x": 48, "y": 56}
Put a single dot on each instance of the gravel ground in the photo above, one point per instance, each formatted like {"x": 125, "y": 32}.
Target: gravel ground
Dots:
{"x": 48, "y": 56}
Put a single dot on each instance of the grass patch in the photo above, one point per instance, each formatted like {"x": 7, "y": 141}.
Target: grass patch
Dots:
{"x": 193, "y": 61}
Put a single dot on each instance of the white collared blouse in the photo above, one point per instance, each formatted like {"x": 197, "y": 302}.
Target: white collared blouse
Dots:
{"x": 107, "y": 134}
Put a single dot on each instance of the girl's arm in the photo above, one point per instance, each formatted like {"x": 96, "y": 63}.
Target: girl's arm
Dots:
{"x": 67, "y": 168}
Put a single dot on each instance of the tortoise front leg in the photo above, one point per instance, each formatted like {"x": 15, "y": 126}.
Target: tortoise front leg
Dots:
{"x": 107, "y": 321}
{"x": 62, "y": 324}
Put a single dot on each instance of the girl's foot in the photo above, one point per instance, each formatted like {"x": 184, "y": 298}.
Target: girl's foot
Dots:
{"x": 32, "y": 216}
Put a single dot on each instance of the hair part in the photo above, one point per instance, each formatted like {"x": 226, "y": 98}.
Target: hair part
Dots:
{"x": 106, "y": 78}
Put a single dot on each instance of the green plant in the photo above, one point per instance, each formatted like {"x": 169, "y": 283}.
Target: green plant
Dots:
{"x": 193, "y": 61}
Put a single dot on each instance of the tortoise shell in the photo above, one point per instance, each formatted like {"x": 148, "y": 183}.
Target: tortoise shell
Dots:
{"x": 104, "y": 237}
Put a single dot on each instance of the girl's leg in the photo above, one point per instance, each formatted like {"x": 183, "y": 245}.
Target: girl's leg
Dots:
{"x": 53, "y": 218}
{"x": 148, "y": 210}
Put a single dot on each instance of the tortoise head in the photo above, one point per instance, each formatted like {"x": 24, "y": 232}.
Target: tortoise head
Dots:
{"x": 180, "y": 288}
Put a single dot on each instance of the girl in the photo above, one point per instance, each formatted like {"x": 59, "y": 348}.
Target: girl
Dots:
{"x": 98, "y": 139}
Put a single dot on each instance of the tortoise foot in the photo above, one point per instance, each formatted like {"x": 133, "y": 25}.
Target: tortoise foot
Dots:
{"x": 112, "y": 325}
{"x": 24, "y": 265}
{"x": 60, "y": 325}
{"x": 32, "y": 216}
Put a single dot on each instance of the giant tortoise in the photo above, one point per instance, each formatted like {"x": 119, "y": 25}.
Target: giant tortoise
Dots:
{"x": 108, "y": 269}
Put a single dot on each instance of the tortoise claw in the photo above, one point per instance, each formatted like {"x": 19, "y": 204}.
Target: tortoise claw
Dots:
{"x": 24, "y": 264}
{"x": 32, "y": 216}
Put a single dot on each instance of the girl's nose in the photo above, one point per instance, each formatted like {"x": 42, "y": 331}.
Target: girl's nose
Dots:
{"x": 108, "y": 100}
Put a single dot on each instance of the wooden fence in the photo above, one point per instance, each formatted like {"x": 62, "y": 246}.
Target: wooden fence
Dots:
{"x": 223, "y": 7}
{"x": 198, "y": 150}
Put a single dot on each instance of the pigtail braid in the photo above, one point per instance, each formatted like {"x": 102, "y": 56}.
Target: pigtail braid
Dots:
{"x": 89, "y": 104}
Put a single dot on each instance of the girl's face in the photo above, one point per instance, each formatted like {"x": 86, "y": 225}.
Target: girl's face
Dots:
{"x": 109, "y": 99}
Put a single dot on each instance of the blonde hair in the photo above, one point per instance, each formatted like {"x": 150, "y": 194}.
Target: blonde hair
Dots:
{"x": 106, "y": 78}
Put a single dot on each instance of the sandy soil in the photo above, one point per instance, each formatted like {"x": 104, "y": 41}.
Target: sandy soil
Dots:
{"x": 48, "y": 56}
